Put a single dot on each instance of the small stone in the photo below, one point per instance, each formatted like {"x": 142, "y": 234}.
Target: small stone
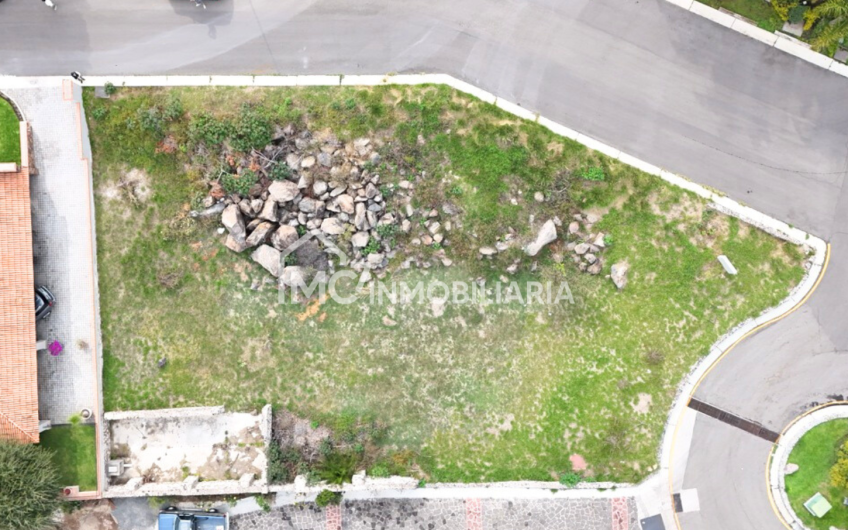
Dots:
{"x": 434, "y": 227}
{"x": 790, "y": 469}
{"x": 618, "y": 273}
{"x": 512, "y": 269}
{"x": 539, "y": 196}
{"x": 447, "y": 262}
{"x": 405, "y": 226}
{"x": 269, "y": 211}
{"x": 374, "y": 259}
{"x": 594, "y": 269}
{"x": 282, "y": 191}
{"x": 325, "y": 159}
{"x": 546, "y": 235}
{"x": 488, "y": 251}
{"x": 308, "y": 205}
{"x": 581, "y": 248}
{"x": 345, "y": 203}
{"x": 235, "y": 244}
{"x": 360, "y": 239}
{"x": 426, "y": 240}
{"x": 233, "y": 221}
{"x": 591, "y": 258}
{"x": 388, "y": 322}
{"x": 573, "y": 227}
{"x": 365, "y": 277}
{"x": 332, "y": 226}
{"x": 319, "y": 187}
{"x": 307, "y": 162}
{"x": 293, "y": 276}
{"x": 592, "y": 218}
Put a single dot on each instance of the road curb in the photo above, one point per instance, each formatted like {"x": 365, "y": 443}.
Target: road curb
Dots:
{"x": 779, "y": 457}
{"x": 775, "y": 40}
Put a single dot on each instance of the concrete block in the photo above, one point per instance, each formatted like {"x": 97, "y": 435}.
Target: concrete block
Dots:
{"x": 793, "y": 48}
{"x": 713, "y": 14}
{"x": 471, "y": 90}
{"x": 556, "y": 128}
{"x": 839, "y": 68}
{"x": 598, "y": 146}
{"x": 319, "y": 80}
{"x": 365, "y": 80}
{"x": 515, "y": 109}
{"x": 641, "y": 165}
{"x": 231, "y": 80}
{"x": 685, "y": 4}
{"x": 188, "y": 80}
{"x": 275, "y": 80}
{"x": 728, "y": 267}
{"x": 750, "y": 30}
{"x": 190, "y": 482}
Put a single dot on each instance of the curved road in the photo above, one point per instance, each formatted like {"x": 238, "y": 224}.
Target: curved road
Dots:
{"x": 642, "y": 75}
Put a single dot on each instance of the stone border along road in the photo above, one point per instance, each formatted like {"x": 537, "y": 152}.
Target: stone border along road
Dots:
{"x": 779, "y": 457}
{"x": 777, "y": 40}
{"x": 722, "y": 203}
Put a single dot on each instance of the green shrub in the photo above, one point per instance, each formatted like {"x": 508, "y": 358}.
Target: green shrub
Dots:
{"x": 240, "y": 184}
{"x": 98, "y": 113}
{"x": 109, "y": 88}
{"x": 592, "y": 173}
{"x": 283, "y": 464}
{"x": 796, "y": 14}
{"x": 372, "y": 246}
{"x": 783, "y": 7}
{"x": 150, "y": 119}
{"x": 173, "y": 109}
{"x": 379, "y": 471}
{"x": 338, "y": 468}
{"x": 327, "y": 497}
{"x": 570, "y": 479}
{"x": 280, "y": 171}
{"x": 252, "y": 131}
{"x": 839, "y": 471}
{"x": 263, "y": 503}
{"x": 209, "y": 130}
{"x": 29, "y": 495}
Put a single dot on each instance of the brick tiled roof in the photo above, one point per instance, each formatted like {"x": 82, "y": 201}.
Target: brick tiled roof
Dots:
{"x": 18, "y": 362}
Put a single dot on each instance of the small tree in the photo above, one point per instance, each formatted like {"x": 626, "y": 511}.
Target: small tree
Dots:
{"x": 327, "y": 497}
{"x": 29, "y": 495}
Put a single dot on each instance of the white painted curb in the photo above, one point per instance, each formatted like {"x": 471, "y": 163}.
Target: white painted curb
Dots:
{"x": 780, "y": 457}
{"x": 776, "y": 40}
{"x": 718, "y": 201}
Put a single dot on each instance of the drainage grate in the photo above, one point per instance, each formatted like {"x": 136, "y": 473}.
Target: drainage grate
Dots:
{"x": 731, "y": 419}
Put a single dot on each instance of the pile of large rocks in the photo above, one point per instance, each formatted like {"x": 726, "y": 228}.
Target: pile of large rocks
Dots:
{"x": 587, "y": 246}
{"x": 330, "y": 191}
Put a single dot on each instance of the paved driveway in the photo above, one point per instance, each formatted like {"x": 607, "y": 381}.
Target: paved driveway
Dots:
{"x": 62, "y": 245}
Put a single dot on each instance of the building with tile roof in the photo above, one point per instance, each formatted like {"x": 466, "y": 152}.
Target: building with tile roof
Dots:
{"x": 18, "y": 361}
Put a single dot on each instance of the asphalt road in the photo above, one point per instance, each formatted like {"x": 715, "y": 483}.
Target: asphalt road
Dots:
{"x": 643, "y": 75}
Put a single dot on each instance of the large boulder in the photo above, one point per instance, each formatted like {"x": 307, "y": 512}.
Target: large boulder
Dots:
{"x": 546, "y": 235}
{"x": 269, "y": 211}
{"x": 284, "y": 237}
{"x": 282, "y": 191}
{"x": 233, "y": 221}
{"x": 269, "y": 258}
{"x": 618, "y": 273}
{"x": 260, "y": 234}
{"x": 235, "y": 244}
{"x": 293, "y": 276}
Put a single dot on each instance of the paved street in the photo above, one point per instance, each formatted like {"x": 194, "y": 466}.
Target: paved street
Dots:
{"x": 645, "y": 76}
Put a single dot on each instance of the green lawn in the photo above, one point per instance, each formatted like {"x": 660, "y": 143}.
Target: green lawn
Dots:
{"x": 479, "y": 393}
{"x": 10, "y": 135}
{"x": 760, "y": 11}
{"x": 815, "y": 454}
{"x": 74, "y": 452}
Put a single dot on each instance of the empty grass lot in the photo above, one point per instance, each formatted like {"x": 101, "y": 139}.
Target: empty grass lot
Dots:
{"x": 477, "y": 393}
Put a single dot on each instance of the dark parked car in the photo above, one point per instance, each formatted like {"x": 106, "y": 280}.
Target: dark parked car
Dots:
{"x": 175, "y": 519}
{"x": 44, "y": 302}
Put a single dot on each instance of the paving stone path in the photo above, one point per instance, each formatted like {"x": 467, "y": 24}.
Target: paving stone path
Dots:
{"x": 449, "y": 514}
